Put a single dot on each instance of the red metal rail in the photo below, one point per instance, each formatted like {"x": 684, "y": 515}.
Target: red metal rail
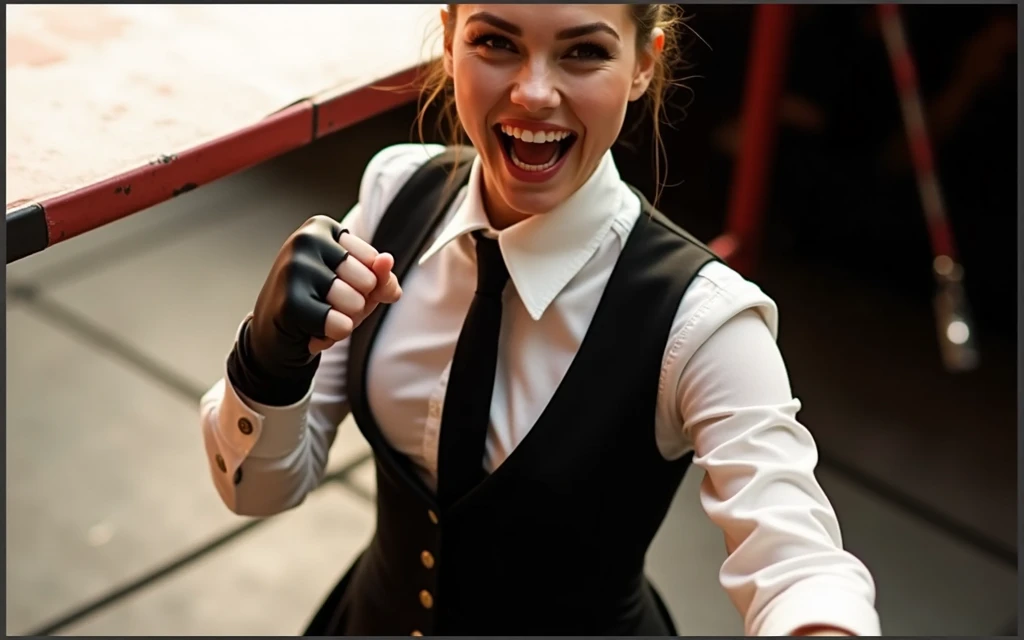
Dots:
{"x": 35, "y": 226}
{"x": 740, "y": 243}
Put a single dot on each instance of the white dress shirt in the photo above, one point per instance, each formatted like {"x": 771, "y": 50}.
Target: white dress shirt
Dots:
{"x": 723, "y": 393}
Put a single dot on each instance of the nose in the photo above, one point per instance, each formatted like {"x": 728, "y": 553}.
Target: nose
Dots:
{"x": 535, "y": 88}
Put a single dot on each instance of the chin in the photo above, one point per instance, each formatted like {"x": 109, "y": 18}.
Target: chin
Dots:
{"x": 525, "y": 193}
{"x": 530, "y": 202}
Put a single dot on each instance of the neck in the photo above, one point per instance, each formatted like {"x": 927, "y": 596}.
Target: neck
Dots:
{"x": 499, "y": 213}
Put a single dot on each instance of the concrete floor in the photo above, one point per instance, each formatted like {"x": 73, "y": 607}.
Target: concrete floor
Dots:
{"x": 115, "y": 529}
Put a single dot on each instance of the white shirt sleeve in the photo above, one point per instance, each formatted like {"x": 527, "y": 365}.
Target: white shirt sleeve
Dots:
{"x": 786, "y": 567}
{"x": 265, "y": 460}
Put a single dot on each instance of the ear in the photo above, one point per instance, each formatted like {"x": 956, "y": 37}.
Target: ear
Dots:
{"x": 646, "y": 64}
{"x": 448, "y": 63}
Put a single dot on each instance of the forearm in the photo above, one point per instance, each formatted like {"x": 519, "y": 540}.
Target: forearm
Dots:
{"x": 275, "y": 414}
{"x": 267, "y": 387}
{"x": 787, "y": 571}
{"x": 264, "y": 460}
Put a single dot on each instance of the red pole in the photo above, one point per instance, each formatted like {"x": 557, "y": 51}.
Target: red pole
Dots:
{"x": 957, "y": 343}
{"x": 759, "y": 124}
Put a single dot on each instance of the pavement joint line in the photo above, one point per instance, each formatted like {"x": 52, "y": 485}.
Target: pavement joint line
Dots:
{"x": 105, "y": 340}
{"x": 910, "y": 505}
{"x": 165, "y": 232}
{"x": 184, "y": 561}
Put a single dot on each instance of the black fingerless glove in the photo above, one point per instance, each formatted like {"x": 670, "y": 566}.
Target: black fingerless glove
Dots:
{"x": 271, "y": 362}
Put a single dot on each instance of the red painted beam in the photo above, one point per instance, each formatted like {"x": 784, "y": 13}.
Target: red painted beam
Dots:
{"x": 766, "y": 70}
{"x": 339, "y": 110}
{"x": 73, "y": 213}
{"x": 76, "y": 212}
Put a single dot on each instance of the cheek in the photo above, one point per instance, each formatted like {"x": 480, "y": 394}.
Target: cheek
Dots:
{"x": 600, "y": 101}
{"x": 477, "y": 93}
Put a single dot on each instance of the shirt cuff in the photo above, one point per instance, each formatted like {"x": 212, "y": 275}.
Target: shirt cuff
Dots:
{"x": 258, "y": 430}
{"x": 813, "y": 603}
{"x": 249, "y": 428}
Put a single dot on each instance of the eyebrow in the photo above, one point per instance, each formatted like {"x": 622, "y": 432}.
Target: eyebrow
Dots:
{"x": 564, "y": 34}
{"x": 586, "y": 30}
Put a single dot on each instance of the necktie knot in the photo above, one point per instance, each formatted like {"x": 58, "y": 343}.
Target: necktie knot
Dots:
{"x": 491, "y": 272}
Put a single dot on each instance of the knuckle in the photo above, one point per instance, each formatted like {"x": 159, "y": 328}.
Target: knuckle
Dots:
{"x": 367, "y": 281}
{"x": 312, "y": 236}
{"x": 359, "y": 304}
{"x": 293, "y": 301}
{"x": 351, "y": 276}
{"x": 347, "y": 324}
{"x": 293, "y": 274}
{"x": 342, "y": 327}
{"x": 362, "y": 288}
{"x": 319, "y": 220}
{"x": 304, "y": 241}
{"x": 302, "y": 272}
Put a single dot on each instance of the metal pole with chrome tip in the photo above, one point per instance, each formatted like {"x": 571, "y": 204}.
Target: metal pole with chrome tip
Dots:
{"x": 952, "y": 311}
{"x": 952, "y": 314}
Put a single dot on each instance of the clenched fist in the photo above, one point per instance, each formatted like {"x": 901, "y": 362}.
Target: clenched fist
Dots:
{"x": 322, "y": 285}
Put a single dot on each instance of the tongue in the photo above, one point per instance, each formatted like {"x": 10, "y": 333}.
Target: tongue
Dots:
{"x": 533, "y": 152}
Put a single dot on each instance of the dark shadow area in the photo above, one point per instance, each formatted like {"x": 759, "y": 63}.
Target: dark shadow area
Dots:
{"x": 845, "y": 250}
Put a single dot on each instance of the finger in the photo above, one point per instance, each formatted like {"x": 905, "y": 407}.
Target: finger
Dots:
{"x": 304, "y": 315}
{"x": 383, "y": 264}
{"x": 358, "y": 248}
{"x": 316, "y": 345}
{"x": 343, "y": 297}
{"x": 358, "y": 275}
{"x": 388, "y": 290}
{"x": 337, "y": 326}
{"x": 332, "y": 254}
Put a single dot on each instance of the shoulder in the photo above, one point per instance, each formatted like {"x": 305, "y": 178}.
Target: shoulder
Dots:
{"x": 736, "y": 293}
{"x": 385, "y": 174}
{"x": 717, "y": 294}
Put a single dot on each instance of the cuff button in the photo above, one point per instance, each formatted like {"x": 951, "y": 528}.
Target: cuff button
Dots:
{"x": 244, "y": 426}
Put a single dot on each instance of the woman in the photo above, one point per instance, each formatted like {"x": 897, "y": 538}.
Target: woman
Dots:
{"x": 523, "y": 470}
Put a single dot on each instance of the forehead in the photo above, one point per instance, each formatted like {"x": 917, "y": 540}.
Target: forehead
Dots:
{"x": 541, "y": 19}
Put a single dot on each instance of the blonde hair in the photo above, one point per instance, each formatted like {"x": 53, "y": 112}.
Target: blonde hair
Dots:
{"x": 668, "y": 17}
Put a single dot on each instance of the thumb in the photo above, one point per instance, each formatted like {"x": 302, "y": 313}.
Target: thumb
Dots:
{"x": 387, "y": 290}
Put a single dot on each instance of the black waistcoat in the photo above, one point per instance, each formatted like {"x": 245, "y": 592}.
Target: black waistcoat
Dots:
{"x": 553, "y": 542}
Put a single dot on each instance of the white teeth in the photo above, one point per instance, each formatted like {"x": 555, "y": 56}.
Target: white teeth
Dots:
{"x": 535, "y": 136}
{"x": 535, "y": 167}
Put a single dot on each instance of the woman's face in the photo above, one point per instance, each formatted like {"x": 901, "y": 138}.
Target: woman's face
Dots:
{"x": 542, "y": 91}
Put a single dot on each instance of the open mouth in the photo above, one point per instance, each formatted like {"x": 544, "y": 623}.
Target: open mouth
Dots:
{"x": 534, "y": 151}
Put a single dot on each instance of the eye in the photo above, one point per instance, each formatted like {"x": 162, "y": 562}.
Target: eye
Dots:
{"x": 493, "y": 42}
{"x": 588, "y": 51}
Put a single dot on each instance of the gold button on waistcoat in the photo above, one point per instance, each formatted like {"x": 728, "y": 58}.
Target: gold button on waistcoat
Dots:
{"x": 428, "y": 559}
{"x": 426, "y": 599}
{"x": 432, "y": 515}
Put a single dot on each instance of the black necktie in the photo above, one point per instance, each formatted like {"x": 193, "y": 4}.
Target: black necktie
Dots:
{"x": 467, "y": 403}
